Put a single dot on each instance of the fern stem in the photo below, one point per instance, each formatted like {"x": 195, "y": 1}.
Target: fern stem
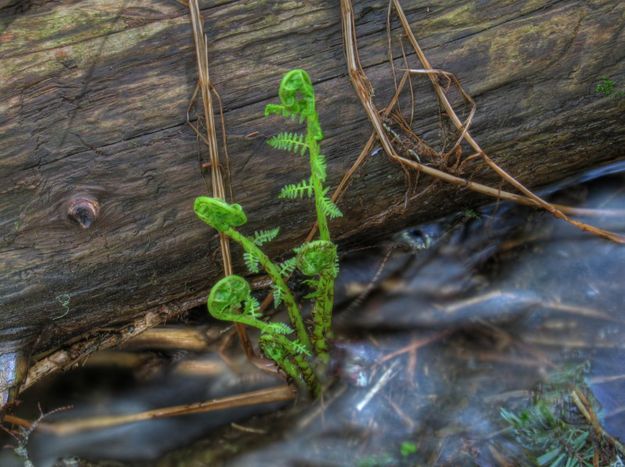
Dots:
{"x": 293, "y": 364}
{"x": 317, "y": 184}
{"x": 322, "y": 318}
{"x": 302, "y": 363}
{"x": 322, "y": 309}
{"x": 274, "y": 273}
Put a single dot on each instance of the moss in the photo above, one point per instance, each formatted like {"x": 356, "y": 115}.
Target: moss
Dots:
{"x": 81, "y": 55}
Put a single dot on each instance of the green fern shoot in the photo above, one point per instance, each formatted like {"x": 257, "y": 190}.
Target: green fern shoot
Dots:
{"x": 297, "y": 99}
{"x": 230, "y": 299}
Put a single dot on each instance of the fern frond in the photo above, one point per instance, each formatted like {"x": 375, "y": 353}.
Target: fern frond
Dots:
{"x": 279, "y": 328}
{"x": 329, "y": 208}
{"x": 252, "y": 307}
{"x": 288, "y": 266}
{"x": 277, "y": 109}
{"x": 299, "y": 190}
{"x": 277, "y": 295}
{"x": 251, "y": 262}
{"x": 264, "y": 236}
{"x": 291, "y": 142}
{"x": 319, "y": 166}
{"x": 299, "y": 348}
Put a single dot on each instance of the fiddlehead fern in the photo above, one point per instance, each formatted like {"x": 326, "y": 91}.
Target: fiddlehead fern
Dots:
{"x": 297, "y": 98}
{"x": 231, "y": 298}
{"x": 224, "y": 217}
{"x": 319, "y": 258}
{"x": 219, "y": 214}
{"x": 227, "y": 297}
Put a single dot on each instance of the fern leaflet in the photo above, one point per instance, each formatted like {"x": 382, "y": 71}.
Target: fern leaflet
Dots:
{"x": 318, "y": 167}
{"x": 277, "y": 295}
{"x": 299, "y": 348}
{"x": 251, "y": 262}
{"x": 264, "y": 236}
{"x": 288, "y": 266}
{"x": 287, "y": 141}
{"x": 313, "y": 284}
{"x": 251, "y": 307}
{"x": 280, "y": 328}
{"x": 299, "y": 190}
{"x": 329, "y": 208}
{"x": 277, "y": 109}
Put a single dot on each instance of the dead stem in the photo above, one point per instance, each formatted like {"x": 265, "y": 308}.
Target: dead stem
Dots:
{"x": 415, "y": 344}
{"x": 262, "y": 396}
{"x": 217, "y": 180}
{"x": 400, "y": 413}
{"x": 364, "y": 91}
{"x": 377, "y": 387}
{"x": 606, "y": 379}
{"x": 193, "y": 339}
{"x": 585, "y": 407}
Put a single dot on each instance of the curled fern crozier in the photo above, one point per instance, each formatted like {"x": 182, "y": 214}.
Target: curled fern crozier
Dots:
{"x": 317, "y": 258}
{"x": 219, "y": 214}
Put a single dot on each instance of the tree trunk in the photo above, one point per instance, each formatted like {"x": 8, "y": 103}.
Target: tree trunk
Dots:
{"x": 93, "y": 101}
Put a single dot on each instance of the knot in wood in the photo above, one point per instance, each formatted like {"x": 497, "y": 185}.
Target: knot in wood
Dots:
{"x": 83, "y": 210}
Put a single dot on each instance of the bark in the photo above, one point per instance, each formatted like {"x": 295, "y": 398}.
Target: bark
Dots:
{"x": 93, "y": 98}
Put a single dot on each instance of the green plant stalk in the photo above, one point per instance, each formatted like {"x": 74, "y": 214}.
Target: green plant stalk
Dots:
{"x": 322, "y": 318}
{"x": 317, "y": 259}
{"x": 274, "y": 273}
{"x": 317, "y": 184}
{"x": 322, "y": 308}
{"x": 304, "y": 375}
{"x": 231, "y": 299}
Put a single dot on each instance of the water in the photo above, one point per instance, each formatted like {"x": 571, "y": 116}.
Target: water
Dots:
{"x": 438, "y": 329}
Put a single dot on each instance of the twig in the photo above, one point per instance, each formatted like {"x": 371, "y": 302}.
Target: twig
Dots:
{"x": 414, "y": 345}
{"x": 217, "y": 181}
{"x": 192, "y": 339}
{"x": 385, "y": 378}
{"x": 262, "y": 396}
{"x": 363, "y": 89}
{"x": 79, "y": 351}
{"x": 584, "y": 406}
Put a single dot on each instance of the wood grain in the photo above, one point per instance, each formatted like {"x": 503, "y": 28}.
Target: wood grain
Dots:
{"x": 93, "y": 98}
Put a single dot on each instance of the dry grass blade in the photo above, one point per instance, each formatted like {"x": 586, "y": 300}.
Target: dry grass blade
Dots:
{"x": 585, "y": 407}
{"x": 217, "y": 180}
{"x": 261, "y": 396}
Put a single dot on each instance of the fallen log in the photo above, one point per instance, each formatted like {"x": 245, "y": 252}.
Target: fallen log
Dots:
{"x": 101, "y": 169}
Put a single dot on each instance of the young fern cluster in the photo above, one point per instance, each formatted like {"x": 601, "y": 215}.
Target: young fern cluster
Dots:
{"x": 230, "y": 299}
